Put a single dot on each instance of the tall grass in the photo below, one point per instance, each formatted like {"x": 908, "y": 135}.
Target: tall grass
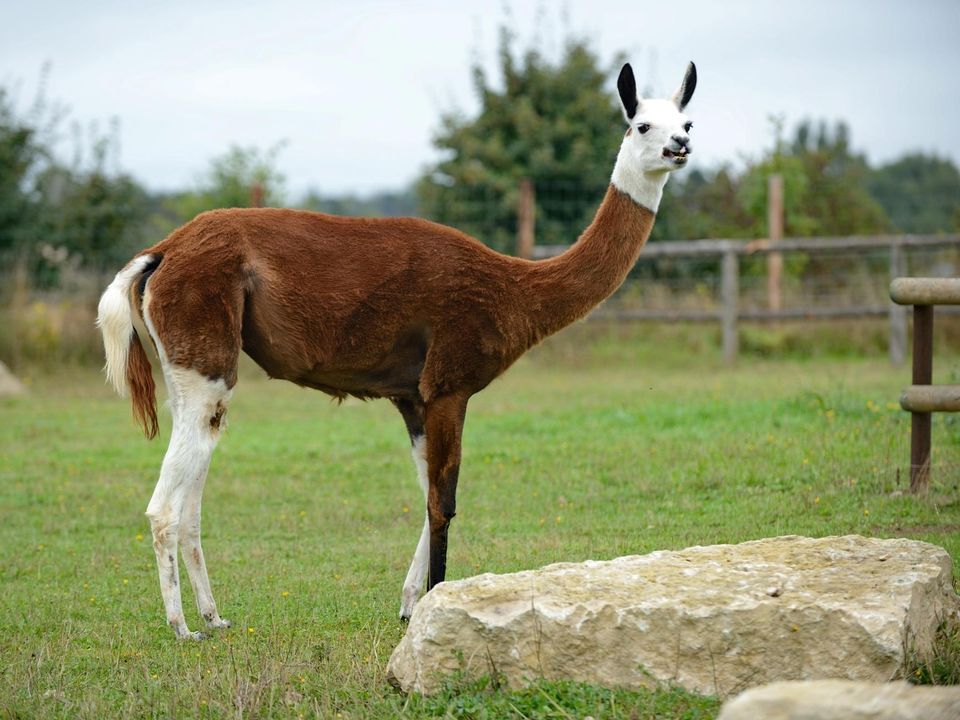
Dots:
{"x": 42, "y": 330}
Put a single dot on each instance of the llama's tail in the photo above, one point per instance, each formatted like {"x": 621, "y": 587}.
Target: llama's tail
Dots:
{"x": 127, "y": 362}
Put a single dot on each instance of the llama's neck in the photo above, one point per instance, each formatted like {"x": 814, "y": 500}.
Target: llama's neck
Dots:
{"x": 567, "y": 287}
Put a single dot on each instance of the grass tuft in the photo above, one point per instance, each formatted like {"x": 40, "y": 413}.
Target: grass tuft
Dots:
{"x": 942, "y": 665}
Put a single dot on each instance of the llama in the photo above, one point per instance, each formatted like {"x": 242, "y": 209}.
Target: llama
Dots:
{"x": 395, "y": 308}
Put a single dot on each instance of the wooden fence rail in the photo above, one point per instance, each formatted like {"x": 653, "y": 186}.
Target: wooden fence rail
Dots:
{"x": 921, "y": 399}
{"x": 730, "y": 253}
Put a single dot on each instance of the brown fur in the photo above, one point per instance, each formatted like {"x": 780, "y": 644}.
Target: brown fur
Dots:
{"x": 142, "y": 390}
{"x": 399, "y": 308}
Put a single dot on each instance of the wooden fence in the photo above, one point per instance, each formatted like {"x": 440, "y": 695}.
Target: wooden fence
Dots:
{"x": 922, "y": 397}
{"x": 731, "y": 312}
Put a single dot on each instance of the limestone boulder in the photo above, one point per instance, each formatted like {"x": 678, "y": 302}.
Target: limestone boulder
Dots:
{"x": 714, "y": 620}
{"x": 844, "y": 700}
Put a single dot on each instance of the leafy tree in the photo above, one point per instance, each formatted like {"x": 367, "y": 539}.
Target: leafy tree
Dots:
{"x": 17, "y": 154}
{"x": 825, "y": 191}
{"x": 824, "y": 184}
{"x": 24, "y": 154}
{"x": 921, "y": 193}
{"x": 702, "y": 204}
{"x": 553, "y": 123}
{"x": 51, "y": 214}
{"x": 96, "y": 216}
{"x": 231, "y": 179}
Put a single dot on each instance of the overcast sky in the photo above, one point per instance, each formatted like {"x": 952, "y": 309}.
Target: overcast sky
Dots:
{"x": 355, "y": 87}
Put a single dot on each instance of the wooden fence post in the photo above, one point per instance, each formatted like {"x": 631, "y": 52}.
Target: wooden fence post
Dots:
{"x": 730, "y": 292}
{"x": 256, "y": 195}
{"x": 923, "y": 398}
{"x": 898, "y": 313}
{"x": 526, "y": 216}
{"x": 775, "y": 235}
{"x": 922, "y": 375}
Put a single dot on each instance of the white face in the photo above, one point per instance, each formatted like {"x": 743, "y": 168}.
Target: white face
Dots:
{"x": 657, "y": 141}
{"x": 659, "y": 136}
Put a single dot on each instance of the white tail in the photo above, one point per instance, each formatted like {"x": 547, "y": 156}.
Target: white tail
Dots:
{"x": 115, "y": 320}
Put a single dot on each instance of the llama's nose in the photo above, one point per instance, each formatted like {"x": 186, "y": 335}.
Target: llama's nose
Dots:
{"x": 682, "y": 141}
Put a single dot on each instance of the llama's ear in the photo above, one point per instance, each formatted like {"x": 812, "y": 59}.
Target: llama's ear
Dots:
{"x": 682, "y": 96}
{"x": 627, "y": 85}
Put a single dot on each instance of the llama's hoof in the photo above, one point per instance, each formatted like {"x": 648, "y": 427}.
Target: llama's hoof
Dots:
{"x": 218, "y": 623}
{"x": 192, "y": 636}
{"x": 409, "y": 600}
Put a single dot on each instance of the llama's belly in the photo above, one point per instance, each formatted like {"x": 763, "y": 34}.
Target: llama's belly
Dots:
{"x": 390, "y": 382}
{"x": 362, "y": 365}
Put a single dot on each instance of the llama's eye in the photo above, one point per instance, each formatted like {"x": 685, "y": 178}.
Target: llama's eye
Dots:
{"x": 643, "y": 127}
{"x": 687, "y": 127}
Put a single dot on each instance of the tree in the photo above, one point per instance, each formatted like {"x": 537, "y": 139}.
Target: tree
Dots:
{"x": 553, "y": 123}
{"x": 921, "y": 193}
{"x": 24, "y": 154}
{"x": 230, "y": 181}
{"x": 95, "y": 216}
{"x": 702, "y": 204}
{"x": 53, "y": 215}
{"x": 824, "y": 184}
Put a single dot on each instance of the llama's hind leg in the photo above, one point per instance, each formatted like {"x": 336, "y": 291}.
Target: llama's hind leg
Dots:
{"x": 417, "y": 574}
{"x": 194, "y": 401}
{"x": 193, "y": 559}
{"x": 413, "y": 411}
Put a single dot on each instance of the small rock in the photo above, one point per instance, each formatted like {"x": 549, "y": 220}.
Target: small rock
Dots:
{"x": 844, "y": 700}
{"x": 9, "y": 385}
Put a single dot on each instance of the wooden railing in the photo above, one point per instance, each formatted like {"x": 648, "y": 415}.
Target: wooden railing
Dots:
{"x": 921, "y": 398}
{"x": 730, "y": 313}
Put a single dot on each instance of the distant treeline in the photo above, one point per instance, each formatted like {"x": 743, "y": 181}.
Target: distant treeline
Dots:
{"x": 556, "y": 123}
{"x": 560, "y": 125}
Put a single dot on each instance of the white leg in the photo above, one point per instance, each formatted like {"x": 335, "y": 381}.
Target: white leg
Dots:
{"x": 417, "y": 574}
{"x": 197, "y": 405}
{"x": 193, "y": 558}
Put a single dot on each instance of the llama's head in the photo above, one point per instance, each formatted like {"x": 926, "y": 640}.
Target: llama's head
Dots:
{"x": 657, "y": 141}
{"x": 658, "y": 138}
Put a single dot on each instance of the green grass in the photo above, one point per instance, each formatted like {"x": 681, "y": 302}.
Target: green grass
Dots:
{"x": 312, "y": 513}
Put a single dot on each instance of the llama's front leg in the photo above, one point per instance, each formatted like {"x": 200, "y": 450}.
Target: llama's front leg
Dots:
{"x": 413, "y": 584}
{"x": 444, "y": 425}
{"x": 194, "y": 561}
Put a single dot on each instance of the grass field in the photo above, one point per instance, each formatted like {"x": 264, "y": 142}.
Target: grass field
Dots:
{"x": 312, "y": 514}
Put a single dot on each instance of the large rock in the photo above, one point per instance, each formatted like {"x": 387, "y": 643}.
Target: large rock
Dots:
{"x": 844, "y": 700}
{"x": 714, "y": 620}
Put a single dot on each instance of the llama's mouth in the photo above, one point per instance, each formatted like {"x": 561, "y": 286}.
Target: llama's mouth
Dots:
{"x": 679, "y": 157}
